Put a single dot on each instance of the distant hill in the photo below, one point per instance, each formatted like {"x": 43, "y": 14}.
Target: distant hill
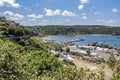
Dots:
{"x": 75, "y": 29}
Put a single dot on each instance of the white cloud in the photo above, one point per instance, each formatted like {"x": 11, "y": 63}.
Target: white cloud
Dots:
{"x": 45, "y": 21}
{"x": 114, "y": 10}
{"x": 97, "y": 12}
{"x": 9, "y": 3}
{"x": 50, "y": 12}
{"x": 8, "y": 13}
{"x": 68, "y": 13}
{"x": 83, "y": 14}
{"x": 106, "y": 21}
{"x": 80, "y": 7}
{"x": 84, "y": 1}
{"x": 18, "y": 17}
{"x": 28, "y": 9}
{"x": 13, "y": 16}
{"x": 100, "y": 20}
{"x": 67, "y": 20}
{"x": 57, "y": 12}
{"x": 31, "y": 19}
{"x": 110, "y": 21}
{"x": 84, "y": 17}
{"x": 33, "y": 16}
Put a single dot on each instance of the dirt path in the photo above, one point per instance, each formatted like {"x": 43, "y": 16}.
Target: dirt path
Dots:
{"x": 93, "y": 67}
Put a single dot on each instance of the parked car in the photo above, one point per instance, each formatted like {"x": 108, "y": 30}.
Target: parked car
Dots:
{"x": 97, "y": 59}
{"x": 55, "y": 53}
{"x": 86, "y": 58}
{"x": 67, "y": 58}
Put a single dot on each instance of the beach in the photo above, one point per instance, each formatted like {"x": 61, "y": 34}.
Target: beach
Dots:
{"x": 44, "y": 38}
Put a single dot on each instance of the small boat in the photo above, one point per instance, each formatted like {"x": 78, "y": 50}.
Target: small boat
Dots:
{"x": 93, "y": 44}
{"x": 104, "y": 45}
{"x": 101, "y": 44}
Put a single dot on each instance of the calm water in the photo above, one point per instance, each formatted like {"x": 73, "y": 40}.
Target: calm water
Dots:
{"x": 112, "y": 40}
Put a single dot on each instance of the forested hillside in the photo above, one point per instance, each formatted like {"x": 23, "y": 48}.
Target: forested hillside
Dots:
{"x": 76, "y": 30}
{"x": 15, "y": 31}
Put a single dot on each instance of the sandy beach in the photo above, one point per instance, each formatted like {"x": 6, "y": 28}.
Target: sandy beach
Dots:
{"x": 44, "y": 38}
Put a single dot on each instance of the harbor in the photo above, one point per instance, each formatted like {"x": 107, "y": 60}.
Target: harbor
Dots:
{"x": 101, "y": 50}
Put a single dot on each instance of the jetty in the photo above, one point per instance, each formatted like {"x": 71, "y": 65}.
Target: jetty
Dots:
{"x": 73, "y": 40}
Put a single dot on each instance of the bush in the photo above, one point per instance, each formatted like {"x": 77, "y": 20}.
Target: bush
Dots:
{"x": 22, "y": 42}
{"x": 67, "y": 50}
{"x": 37, "y": 63}
{"x": 112, "y": 61}
{"x": 38, "y": 44}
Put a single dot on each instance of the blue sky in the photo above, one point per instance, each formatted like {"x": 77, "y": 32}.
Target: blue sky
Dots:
{"x": 62, "y": 12}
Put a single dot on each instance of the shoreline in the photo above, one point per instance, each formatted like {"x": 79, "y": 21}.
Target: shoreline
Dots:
{"x": 51, "y": 36}
{"x": 44, "y": 38}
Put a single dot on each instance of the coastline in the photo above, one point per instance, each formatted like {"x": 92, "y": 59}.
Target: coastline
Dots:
{"x": 52, "y": 36}
{"x": 98, "y": 34}
{"x": 44, "y": 38}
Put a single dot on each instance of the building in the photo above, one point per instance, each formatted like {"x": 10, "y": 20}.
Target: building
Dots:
{"x": 11, "y": 23}
{"x": 2, "y": 19}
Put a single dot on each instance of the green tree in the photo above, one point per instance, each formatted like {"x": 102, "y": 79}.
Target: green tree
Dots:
{"x": 11, "y": 31}
{"x": 19, "y": 32}
{"x": 88, "y": 52}
{"x": 67, "y": 50}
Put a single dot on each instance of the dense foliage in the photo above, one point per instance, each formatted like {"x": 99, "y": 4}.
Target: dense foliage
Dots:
{"x": 15, "y": 31}
{"x": 112, "y": 61}
{"x": 76, "y": 30}
{"x": 55, "y": 46}
{"x": 10, "y": 53}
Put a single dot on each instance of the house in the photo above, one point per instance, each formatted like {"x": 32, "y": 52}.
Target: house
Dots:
{"x": 11, "y": 23}
{"x": 2, "y": 19}
{"x": 67, "y": 58}
{"x": 55, "y": 53}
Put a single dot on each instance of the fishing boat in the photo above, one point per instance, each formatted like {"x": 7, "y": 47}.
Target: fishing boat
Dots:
{"x": 101, "y": 44}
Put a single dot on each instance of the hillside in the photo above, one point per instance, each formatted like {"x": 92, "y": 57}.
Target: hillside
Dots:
{"x": 76, "y": 30}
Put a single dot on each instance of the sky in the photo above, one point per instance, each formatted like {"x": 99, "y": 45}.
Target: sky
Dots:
{"x": 62, "y": 12}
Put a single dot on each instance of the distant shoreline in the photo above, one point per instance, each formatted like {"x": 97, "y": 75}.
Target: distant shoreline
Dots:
{"x": 80, "y": 35}
{"x": 51, "y": 36}
{"x": 98, "y": 34}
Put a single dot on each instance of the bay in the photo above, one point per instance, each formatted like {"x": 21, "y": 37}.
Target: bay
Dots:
{"x": 114, "y": 41}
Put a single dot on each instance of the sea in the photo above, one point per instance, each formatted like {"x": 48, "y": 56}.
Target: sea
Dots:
{"x": 114, "y": 41}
